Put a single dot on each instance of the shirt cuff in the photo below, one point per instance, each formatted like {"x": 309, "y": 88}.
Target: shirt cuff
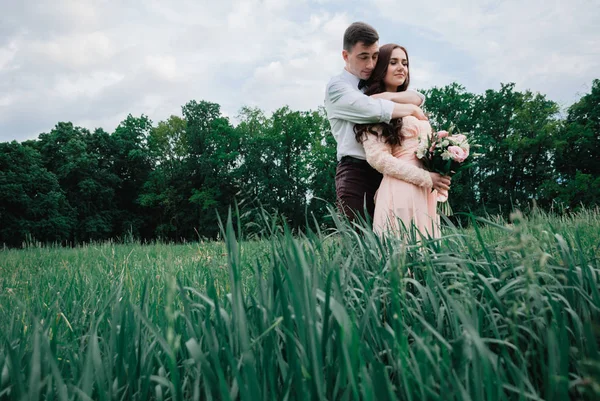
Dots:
{"x": 387, "y": 108}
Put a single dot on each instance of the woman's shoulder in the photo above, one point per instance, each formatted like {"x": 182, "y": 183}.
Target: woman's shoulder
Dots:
{"x": 410, "y": 126}
{"x": 413, "y": 126}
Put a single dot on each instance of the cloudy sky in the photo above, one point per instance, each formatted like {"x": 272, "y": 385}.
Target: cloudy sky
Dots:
{"x": 93, "y": 62}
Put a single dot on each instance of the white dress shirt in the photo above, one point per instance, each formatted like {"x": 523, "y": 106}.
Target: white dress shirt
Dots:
{"x": 347, "y": 106}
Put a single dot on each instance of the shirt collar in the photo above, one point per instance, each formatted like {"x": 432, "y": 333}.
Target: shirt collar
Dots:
{"x": 351, "y": 78}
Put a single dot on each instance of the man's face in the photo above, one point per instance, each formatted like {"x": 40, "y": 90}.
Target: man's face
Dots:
{"x": 361, "y": 60}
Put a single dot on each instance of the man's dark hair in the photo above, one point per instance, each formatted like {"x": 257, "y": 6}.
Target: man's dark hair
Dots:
{"x": 359, "y": 32}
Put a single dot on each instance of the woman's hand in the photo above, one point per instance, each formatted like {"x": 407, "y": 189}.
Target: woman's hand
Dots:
{"x": 440, "y": 182}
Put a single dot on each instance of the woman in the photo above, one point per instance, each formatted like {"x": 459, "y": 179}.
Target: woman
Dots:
{"x": 405, "y": 195}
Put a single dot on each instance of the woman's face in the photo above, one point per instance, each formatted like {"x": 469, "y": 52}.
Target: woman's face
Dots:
{"x": 397, "y": 70}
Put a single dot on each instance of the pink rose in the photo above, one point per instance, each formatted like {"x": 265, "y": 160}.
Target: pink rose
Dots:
{"x": 458, "y": 154}
{"x": 442, "y": 134}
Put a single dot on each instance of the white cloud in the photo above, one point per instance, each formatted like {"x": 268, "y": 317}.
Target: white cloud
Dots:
{"x": 76, "y": 51}
{"x": 93, "y": 62}
{"x": 427, "y": 73}
{"x": 7, "y": 55}
{"x": 84, "y": 85}
{"x": 5, "y": 100}
{"x": 310, "y": 55}
{"x": 545, "y": 46}
{"x": 164, "y": 66}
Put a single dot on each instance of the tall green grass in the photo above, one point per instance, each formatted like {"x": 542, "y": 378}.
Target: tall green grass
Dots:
{"x": 499, "y": 311}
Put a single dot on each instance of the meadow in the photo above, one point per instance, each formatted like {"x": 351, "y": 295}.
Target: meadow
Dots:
{"x": 502, "y": 310}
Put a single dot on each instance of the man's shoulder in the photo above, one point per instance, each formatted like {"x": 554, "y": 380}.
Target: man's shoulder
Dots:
{"x": 340, "y": 82}
{"x": 336, "y": 79}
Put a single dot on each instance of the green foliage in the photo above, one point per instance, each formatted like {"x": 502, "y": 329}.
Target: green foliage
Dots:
{"x": 172, "y": 179}
{"x": 81, "y": 162}
{"x": 523, "y": 143}
{"x": 31, "y": 199}
{"x": 323, "y": 164}
{"x": 280, "y": 158}
{"x": 209, "y": 187}
{"x": 132, "y": 164}
{"x": 577, "y": 150}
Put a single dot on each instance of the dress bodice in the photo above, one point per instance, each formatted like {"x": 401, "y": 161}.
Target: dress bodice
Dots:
{"x": 412, "y": 130}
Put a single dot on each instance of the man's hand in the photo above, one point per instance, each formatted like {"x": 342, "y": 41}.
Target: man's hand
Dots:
{"x": 418, "y": 112}
{"x": 440, "y": 182}
{"x": 404, "y": 110}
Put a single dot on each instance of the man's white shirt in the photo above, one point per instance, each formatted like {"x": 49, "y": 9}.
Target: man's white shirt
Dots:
{"x": 347, "y": 106}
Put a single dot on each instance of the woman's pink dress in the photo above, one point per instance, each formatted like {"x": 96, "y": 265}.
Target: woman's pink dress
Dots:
{"x": 399, "y": 202}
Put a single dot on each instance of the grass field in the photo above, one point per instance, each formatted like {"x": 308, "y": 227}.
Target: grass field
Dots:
{"x": 499, "y": 311}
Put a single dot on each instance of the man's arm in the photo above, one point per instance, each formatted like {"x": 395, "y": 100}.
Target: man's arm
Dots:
{"x": 406, "y": 97}
{"x": 344, "y": 102}
{"x": 403, "y": 110}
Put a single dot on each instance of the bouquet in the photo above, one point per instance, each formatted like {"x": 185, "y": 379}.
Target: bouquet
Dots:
{"x": 445, "y": 153}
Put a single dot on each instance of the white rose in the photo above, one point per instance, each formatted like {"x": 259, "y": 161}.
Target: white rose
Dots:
{"x": 446, "y": 155}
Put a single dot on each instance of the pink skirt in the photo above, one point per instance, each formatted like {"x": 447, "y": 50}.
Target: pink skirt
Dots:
{"x": 402, "y": 206}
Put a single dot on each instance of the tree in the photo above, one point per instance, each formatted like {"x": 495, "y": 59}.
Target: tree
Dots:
{"x": 164, "y": 192}
{"x": 276, "y": 160}
{"x": 82, "y": 163}
{"x": 32, "y": 204}
{"x": 171, "y": 181}
{"x": 213, "y": 151}
{"x": 322, "y": 165}
{"x": 516, "y": 131}
{"x": 452, "y": 106}
{"x": 577, "y": 151}
{"x": 132, "y": 165}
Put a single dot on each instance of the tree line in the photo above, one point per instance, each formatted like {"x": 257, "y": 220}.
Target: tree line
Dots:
{"x": 169, "y": 181}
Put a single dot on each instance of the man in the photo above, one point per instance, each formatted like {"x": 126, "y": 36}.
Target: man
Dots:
{"x": 356, "y": 181}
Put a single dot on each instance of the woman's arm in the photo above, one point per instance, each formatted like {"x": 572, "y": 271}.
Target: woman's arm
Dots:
{"x": 379, "y": 156}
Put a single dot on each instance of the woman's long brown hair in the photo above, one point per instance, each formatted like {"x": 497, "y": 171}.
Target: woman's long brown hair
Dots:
{"x": 376, "y": 84}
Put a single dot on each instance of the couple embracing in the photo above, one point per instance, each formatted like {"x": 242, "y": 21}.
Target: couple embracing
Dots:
{"x": 377, "y": 123}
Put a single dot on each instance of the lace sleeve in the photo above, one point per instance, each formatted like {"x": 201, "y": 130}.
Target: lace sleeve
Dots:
{"x": 379, "y": 156}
